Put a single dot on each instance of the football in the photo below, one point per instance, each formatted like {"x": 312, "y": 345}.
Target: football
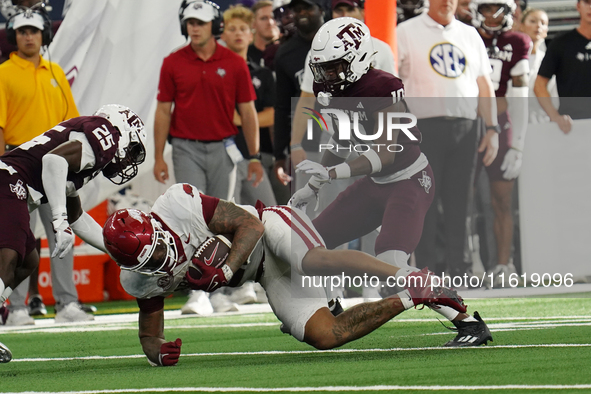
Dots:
{"x": 213, "y": 252}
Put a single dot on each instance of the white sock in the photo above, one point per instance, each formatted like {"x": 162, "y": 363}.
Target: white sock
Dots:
{"x": 406, "y": 299}
{"x": 469, "y": 319}
{"x": 5, "y": 292}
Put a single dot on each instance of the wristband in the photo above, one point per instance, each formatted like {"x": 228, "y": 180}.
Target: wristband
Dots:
{"x": 496, "y": 128}
{"x": 374, "y": 160}
{"x": 227, "y": 272}
{"x": 342, "y": 171}
{"x": 296, "y": 147}
{"x": 256, "y": 157}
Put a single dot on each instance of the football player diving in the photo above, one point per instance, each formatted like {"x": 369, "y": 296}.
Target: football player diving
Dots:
{"x": 508, "y": 52}
{"x": 50, "y": 169}
{"x": 395, "y": 191}
{"x": 277, "y": 246}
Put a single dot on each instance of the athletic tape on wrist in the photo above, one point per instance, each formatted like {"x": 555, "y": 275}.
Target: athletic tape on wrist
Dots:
{"x": 227, "y": 272}
{"x": 342, "y": 171}
{"x": 406, "y": 299}
{"x": 374, "y": 160}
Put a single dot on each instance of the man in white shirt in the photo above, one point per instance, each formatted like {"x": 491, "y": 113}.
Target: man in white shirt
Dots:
{"x": 446, "y": 73}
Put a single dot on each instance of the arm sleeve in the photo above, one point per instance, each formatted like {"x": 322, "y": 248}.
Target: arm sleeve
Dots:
{"x": 282, "y": 130}
{"x": 166, "y": 86}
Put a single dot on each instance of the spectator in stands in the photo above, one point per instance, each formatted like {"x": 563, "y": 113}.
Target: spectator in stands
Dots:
{"x": 34, "y": 96}
{"x": 569, "y": 59}
{"x": 201, "y": 128}
{"x": 449, "y": 127}
{"x": 289, "y": 68}
{"x": 265, "y": 30}
{"x": 534, "y": 23}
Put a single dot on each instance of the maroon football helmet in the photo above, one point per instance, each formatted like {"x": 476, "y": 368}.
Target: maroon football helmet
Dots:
{"x": 131, "y": 238}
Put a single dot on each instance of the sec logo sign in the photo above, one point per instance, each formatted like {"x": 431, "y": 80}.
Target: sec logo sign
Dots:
{"x": 448, "y": 60}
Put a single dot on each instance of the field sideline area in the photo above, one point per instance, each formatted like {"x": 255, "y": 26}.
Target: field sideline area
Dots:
{"x": 541, "y": 345}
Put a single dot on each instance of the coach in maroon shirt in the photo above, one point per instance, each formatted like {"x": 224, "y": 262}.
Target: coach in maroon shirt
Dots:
{"x": 206, "y": 82}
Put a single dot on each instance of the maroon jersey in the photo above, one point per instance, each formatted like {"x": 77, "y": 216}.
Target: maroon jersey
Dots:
{"x": 376, "y": 90}
{"x": 26, "y": 159}
{"x": 513, "y": 47}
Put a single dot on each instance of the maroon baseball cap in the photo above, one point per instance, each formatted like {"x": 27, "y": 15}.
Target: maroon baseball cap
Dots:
{"x": 352, "y": 3}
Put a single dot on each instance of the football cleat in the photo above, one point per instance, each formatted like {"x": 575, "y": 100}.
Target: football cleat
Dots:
{"x": 36, "y": 306}
{"x": 474, "y": 333}
{"x": 5, "y": 354}
{"x": 422, "y": 291}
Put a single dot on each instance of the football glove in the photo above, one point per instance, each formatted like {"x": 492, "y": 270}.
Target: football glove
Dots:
{"x": 207, "y": 277}
{"x": 311, "y": 168}
{"x": 169, "y": 353}
{"x": 302, "y": 197}
{"x": 511, "y": 164}
{"x": 64, "y": 238}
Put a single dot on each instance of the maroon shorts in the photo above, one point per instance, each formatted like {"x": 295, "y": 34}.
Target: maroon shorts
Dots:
{"x": 399, "y": 207}
{"x": 15, "y": 230}
{"x": 494, "y": 170}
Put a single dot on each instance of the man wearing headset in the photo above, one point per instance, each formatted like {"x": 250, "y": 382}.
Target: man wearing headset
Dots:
{"x": 34, "y": 96}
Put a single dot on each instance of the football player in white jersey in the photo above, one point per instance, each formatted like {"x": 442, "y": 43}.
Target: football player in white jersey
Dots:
{"x": 278, "y": 246}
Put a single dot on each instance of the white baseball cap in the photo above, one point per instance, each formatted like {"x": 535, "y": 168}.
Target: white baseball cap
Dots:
{"x": 199, "y": 10}
{"x": 28, "y": 19}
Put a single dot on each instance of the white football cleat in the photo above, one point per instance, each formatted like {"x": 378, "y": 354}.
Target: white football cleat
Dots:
{"x": 197, "y": 304}
{"x": 244, "y": 294}
{"x": 222, "y": 303}
{"x": 5, "y": 354}
{"x": 71, "y": 313}
{"x": 19, "y": 317}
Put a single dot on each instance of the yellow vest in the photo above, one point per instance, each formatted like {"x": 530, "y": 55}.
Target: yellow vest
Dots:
{"x": 32, "y": 100}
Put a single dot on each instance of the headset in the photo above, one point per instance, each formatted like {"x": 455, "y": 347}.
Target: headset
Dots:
{"x": 46, "y": 34}
{"x": 217, "y": 24}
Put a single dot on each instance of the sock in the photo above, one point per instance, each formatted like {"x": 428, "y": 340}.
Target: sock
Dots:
{"x": 5, "y": 292}
{"x": 446, "y": 311}
{"x": 469, "y": 319}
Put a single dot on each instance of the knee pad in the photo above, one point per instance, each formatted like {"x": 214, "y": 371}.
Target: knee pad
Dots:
{"x": 397, "y": 258}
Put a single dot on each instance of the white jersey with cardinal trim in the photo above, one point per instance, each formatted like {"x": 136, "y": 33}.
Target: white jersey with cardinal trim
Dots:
{"x": 185, "y": 213}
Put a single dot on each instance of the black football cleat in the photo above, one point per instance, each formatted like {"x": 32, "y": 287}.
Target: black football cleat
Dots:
{"x": 474, "y": 333}
{"x": 5, "y": 354}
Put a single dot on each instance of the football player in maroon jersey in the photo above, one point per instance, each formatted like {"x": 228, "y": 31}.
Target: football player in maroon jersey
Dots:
{"x": 277, "y": 246}
{"x": 508, "y": 52}
{"x": 50, "y": 169}
{"x": 396, "y": 189}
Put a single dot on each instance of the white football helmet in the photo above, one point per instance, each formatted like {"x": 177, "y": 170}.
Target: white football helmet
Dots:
{"x": 507, "y": 8}
{"x": 342, "y": 52}
{"x": 131, "y": 150}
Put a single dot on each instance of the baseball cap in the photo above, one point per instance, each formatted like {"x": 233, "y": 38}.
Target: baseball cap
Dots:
{"x": 28, "y": 19}
{"x": 199, "y": 10}
{"x": 352, "y": 3}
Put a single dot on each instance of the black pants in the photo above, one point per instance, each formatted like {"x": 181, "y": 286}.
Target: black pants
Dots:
{"x": 450, "y": 145}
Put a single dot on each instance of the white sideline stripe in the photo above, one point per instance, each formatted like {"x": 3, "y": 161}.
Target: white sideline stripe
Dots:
{"x": 323, "y": 388}
{"x": 537, "y": 323}
{"x": 280, "y": 352}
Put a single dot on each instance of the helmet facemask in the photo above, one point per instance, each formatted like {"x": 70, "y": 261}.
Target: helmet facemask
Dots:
{"x": 483, "y": 7}
{"x": 156, "y": 258}
{"x": 334, "y": 74}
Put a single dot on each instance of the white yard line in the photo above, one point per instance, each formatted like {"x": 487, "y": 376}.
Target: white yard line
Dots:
{"x": 321, "y": 389}
{"x": 294, "y": 352}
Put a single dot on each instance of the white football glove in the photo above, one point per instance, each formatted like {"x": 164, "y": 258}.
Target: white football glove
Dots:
{"x": 511, "y": 164}
{"x": 302, "y": 197}
{"x": 315, "y": 169}
{"x": 64, "y": 238}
